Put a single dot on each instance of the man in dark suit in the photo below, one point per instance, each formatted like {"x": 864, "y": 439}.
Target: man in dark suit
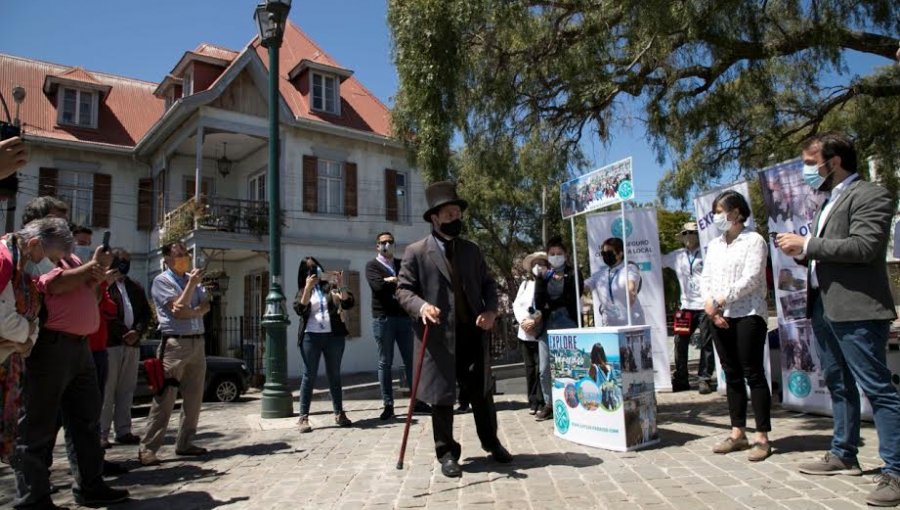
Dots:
{"x": 850, "y": 304}
{"x": 445, "y": 284}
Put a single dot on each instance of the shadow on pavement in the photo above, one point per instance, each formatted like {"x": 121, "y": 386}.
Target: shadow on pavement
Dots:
{"x": 251, "y": 450}
{"x": 194, "y": 500}
{"x": 805, "y": 443}
{"x": 163, "y": 475}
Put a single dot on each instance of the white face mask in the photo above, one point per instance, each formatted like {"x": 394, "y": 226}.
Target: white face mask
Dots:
{"x": 720, "y": 220}
{"x": 84, "y": 253}
{"x": 556, "y": 260}
{"x": 536, "y": 270}
{"x": 42, "y": 267}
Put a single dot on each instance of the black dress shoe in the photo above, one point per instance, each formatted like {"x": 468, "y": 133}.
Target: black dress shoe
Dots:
{"x": 450, "y": 468}
{"x": 387, "y": 414}
{"x": 421, "y": 408}
{"x": 680, "y": 386}
{"x": 463, "y": 407}
{"x": 102, "y": 495}
{"x": 501, "y": 455}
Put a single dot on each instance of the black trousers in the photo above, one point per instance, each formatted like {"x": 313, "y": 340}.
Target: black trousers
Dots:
{"x": 741, "y": 350}
{"x": 470, "y": 377}
{"x": 59, "y": 378}
{"x": 707, "y": 355}
{"x": 530, "y": 356}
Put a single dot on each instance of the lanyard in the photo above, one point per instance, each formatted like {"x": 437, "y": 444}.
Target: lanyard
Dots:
{"x": 611, "y": 277}
{"x": 386, "y": 266}
{"x": 691, "y": 261}
{"x": 321, "y": 296}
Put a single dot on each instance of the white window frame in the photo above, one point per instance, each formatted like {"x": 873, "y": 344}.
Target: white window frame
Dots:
{"x": 82, "y": 189}
{"x": 312, "y": 96}
{"x": 324, "y": 205}
{"x": 60, "y": 107}
{"x": 253, "y": 186}
{"x": 170, "y": 98}
{"x": 402, "y": 197}
{"x": 187, "y": 83}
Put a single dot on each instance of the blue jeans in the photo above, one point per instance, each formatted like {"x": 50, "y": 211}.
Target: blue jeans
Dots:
{"x": 390, "y": 331}
{"x": 331, "y": 347}
{"x": 853, "y": 353}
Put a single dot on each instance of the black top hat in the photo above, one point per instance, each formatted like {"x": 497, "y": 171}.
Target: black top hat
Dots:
{"x": 439, "y": 194}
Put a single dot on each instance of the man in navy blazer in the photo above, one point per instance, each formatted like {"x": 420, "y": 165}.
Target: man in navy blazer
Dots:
{"x": 850, "y": 304}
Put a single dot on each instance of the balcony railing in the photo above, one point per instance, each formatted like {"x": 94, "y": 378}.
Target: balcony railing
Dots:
{"x": 219, "y": 214}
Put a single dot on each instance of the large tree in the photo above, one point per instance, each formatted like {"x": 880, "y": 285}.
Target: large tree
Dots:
{"x": 722, "y": 85}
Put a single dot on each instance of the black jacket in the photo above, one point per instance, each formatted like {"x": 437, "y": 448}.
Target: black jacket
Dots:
{"x": 139, "y": 306}
{"x": 338, "y": 328}
{"x": 384, "y": 300}
{"x": 567, "y": 300}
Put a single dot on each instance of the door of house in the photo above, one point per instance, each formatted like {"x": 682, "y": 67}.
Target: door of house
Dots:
{"x": 256, "y": 287}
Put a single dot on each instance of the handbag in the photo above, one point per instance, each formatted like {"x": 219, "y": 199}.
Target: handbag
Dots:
{"x": 156, "y": 374}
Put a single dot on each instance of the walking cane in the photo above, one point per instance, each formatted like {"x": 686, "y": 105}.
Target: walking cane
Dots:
{"x": 412, "y": 397}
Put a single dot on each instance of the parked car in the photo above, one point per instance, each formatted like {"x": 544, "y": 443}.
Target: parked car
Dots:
{"x": 226, "y": 378}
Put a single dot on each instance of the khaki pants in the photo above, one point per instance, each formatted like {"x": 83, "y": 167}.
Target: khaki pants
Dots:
{"x": 185, "y": 360}
{"x": 119, "y": 392}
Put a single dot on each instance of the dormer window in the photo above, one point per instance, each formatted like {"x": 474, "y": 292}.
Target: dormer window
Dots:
{"x": 326, "y": 95}
{"x": 187, "y": 84}
{"x": 78, "y": 107}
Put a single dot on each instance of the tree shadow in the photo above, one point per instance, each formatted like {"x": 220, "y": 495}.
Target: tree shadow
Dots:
{"x": 669, "y": 438}
{"x": 164, "y": 474}
{"x": 805, "y": 443}
{"x": 195, "y": 500}
{"x": 510, "y": 405}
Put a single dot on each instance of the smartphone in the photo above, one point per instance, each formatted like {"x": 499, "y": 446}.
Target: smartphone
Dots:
{"x": 201, "y": 262}
{"x": 106, "y": 241}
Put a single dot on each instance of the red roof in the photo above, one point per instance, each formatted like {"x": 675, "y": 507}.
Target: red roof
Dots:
{"x": 360, "y": 109}
{"x": 124, "y": 116}
{"x": 211, "y": 50}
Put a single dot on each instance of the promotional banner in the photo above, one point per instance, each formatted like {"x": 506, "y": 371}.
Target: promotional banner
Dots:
{"x": 597, "y": 189}
{"x": 792, "y": 205}
{"x": 642, "y": 234}
{"x": 603, "y": 393}
{"x": 707, "y": 231}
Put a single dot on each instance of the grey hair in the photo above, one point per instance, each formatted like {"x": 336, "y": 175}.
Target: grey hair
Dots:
{"x": 40, "y": 207}
{"x": 53, "y": 233}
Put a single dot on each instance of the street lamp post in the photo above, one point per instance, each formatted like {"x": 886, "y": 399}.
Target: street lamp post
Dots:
{"x": 271, "y": 17}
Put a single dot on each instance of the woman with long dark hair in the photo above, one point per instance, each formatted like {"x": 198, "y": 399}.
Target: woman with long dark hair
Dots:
{"x": 320, "y": 301}
{"x": 733, "y": 287}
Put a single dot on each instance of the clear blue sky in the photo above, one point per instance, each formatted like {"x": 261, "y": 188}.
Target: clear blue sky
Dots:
{"x": 144, "y": 39}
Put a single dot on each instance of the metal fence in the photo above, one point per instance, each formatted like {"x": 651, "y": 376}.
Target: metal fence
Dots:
{"x": 505, "y": 341}
{"x": 242, "y": 337}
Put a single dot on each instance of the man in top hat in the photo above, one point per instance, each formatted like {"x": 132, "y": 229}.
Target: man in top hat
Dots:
{"x": 445, "y": 285}
{"x": 687, "y": 263}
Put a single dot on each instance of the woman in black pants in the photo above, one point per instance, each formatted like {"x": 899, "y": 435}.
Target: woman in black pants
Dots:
{"x": 733, "y": 287}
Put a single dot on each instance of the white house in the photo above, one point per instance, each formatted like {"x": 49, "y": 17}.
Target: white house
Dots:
{"x": 193, "y": 165}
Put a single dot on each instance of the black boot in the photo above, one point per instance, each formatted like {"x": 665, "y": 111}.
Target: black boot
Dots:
{"x": 388, "y": 413}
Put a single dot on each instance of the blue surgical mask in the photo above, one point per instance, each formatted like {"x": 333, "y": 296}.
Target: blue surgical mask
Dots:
{"x": 40, "y": 268}
{"x": 812, "y": 177}
{"x": 84, "y": 253}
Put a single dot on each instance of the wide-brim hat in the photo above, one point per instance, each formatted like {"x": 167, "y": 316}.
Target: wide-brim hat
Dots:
{"x": 439, "y": 194}
{"x": 688, "y": 227}
{"x": 529, "y": 260}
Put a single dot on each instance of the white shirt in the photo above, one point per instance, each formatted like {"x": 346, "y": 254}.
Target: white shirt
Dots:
{"x": 610, "y": 292}
{"x": 826, "y": 209}
{"x": 319, "y": 319}
{"x": 689, "y": 268}
{"x": 738, "y": 272}
{"x": 524, "y": 301}
{"x": 127, "y": 310}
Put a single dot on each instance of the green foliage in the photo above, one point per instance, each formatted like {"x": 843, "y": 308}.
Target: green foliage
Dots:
{"x": 727, "y": 86}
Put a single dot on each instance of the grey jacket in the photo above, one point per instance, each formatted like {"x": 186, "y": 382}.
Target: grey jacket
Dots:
{"x": 850, "y": 255}
{"x": 425, "y": 278}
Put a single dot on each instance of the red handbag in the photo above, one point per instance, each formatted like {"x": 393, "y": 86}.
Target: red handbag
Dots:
{"x": 155, "y": 376}
{"x": 682, "y": 322}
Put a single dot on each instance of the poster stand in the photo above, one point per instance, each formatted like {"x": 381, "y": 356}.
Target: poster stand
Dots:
{"x": 603, "y": 393}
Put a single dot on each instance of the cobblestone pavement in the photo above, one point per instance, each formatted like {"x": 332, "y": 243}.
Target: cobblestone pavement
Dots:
{"x": 266, "y": 464}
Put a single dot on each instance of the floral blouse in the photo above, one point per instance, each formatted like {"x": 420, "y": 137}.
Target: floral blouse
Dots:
{"x": 738, "y": 272}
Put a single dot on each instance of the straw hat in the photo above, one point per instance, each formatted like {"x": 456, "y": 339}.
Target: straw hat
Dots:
{"x": 688, "y": 228}
{"x": 530, "y": 259}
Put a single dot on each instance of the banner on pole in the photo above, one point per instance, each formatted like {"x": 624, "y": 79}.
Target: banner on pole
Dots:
{"x": 597, "y": 189}
{"x": 641, "y": 230}
{"x": 707, "y": 232}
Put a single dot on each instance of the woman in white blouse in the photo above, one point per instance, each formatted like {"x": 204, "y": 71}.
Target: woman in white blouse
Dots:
{"x": 533, "y": 337}
{"x": 733, "y": 287}
{"x": 613, "y": 284}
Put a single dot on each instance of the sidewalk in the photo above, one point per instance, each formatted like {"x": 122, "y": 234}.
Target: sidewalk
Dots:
{"x": 264, "y": 464}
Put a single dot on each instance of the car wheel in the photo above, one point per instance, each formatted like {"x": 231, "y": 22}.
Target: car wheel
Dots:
{"x": 226, "y": 390}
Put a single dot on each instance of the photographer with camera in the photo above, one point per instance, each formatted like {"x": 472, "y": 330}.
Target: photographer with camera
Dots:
{"x": 320, "y": 302}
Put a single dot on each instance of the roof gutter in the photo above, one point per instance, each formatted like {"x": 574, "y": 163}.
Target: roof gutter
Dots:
{"x": 79, "y": 145}
{"x": 344, "y": 131}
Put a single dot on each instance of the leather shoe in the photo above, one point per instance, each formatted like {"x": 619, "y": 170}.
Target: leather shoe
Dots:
{"x": 102, "y": 495}
{"x": 128, "y": 438}
{"x": 450, "y": 468}
{"x": 501, "y": 455}
{"x": 387, "y": 414}
{"x": 421, "y": 408}
{"x": 191, "y": 451}
{"x": 113, "y": 468}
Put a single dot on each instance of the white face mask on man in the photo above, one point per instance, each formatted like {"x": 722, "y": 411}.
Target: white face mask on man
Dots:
{"x": 556, "y": 260}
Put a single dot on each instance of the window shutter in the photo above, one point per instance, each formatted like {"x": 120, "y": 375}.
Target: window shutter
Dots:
{"x": 390, "y": 194}
{"x": 47, "y": 179}
{"x": 350, "y": 208}
{"x": 161, "y": 197}
{"x": 310, "y": 184}
{"x": 145, "y": 204}
{"x": 248, "y": 307}
{"x": 353, "y": 314}
{"x": 102, "y": 199}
